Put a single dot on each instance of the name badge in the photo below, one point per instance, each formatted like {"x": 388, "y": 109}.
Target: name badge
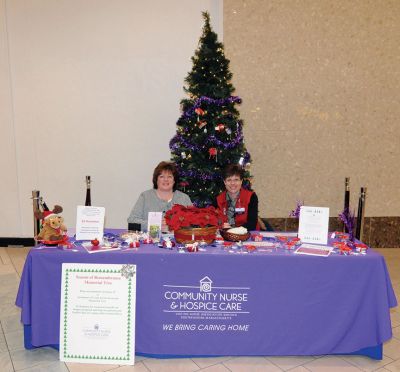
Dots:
{"x": 239, "y": 210}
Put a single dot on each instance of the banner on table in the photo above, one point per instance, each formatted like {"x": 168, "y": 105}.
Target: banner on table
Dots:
{"x": 97, "y": 315}
{"x": 205, "y": 307}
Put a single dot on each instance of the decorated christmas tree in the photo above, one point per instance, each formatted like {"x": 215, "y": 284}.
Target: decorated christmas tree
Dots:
{"x": 209, "y": 132}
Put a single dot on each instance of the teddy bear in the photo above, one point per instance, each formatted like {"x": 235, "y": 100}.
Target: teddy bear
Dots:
{"x": 53, "y": 228}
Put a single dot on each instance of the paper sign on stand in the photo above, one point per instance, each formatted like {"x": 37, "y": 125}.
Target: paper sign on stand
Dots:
{"x": 90, "y": 223}
{"x": 97, "y": 315}
{"x": 154, "y": 224}
{"x": 313, "y": 225}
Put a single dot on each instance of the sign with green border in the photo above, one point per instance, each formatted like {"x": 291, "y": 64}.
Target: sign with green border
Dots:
{"x": 97, "y": 313}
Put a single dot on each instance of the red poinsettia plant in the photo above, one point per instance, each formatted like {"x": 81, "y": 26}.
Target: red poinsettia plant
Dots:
{"x": 180, "y": 217}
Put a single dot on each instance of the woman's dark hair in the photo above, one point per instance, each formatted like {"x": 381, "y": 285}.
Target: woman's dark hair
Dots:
{"x": 232, "y": 170}
{"x": 168, "y": 167}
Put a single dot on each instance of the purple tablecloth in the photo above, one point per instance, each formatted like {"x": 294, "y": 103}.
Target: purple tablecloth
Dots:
{"x": 219, "y": 303}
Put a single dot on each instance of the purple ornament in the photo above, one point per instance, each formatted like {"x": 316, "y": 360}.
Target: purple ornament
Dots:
{"x": 247, "y": 158}
{"x": 296, "y": 212}
{"x": 347, "y": 217}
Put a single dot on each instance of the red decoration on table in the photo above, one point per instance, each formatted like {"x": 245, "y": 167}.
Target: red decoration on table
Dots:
{"x": 296, "y": 241}
{"x": 134, "y": 244}
{"x": 344, "y": 248}
{"x": 219, "y": 239}
{"x": 290, "y": 245}
{"x": 95, "y": 242}
{"x": 191, "y": 223}
{"x": 361, "y": 247}
{"x": 179, "y": 217}
{"x": 250, "y": 248}
{"x": 192, "y": 247}
{"x": 168, "y": 244}
{"x": 340, "y": 235}
{"x": 256, "y": 237}
{"x": 63, "y": 241}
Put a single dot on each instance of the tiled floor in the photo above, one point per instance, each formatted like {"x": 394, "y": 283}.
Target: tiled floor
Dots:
{"x": 13, "y": 356}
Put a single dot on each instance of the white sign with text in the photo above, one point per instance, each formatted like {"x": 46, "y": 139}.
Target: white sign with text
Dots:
{"x": 314, "y": 224}
{"x": 97, "y": 314}
{"x": 90, "y": 223}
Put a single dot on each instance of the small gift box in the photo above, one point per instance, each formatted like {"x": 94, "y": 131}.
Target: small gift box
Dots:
{"x": 344, "y": 249}
{"x": 361, "y": 247}
{"x": 296, "y": 241}
{"x": 192, "y": 247}
{"x": 219, "y": 240}
{"x": 290, "y": 245}
{"x": 134, "y": 244}
{"x": 340, "y": 235}
{"x": 167, "y": 243}
{"x": 256, "y": 237}
{"x": 250, "y": 248}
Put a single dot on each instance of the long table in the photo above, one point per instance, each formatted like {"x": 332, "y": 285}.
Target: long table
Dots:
{"x": 220, "y": 303}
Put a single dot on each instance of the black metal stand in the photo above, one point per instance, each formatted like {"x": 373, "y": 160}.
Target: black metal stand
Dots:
{"x": 346, "y": 208}
{"x": 360, "y": 213}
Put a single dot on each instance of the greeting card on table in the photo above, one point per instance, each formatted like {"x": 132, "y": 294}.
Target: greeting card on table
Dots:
{"x": 154, "y": 224}
{"x": 97, "y": 315}
{"x": 313, "y": 225}
{"x": 90, "y": 223}
{"x": 314, "y": 250}
{"x": 90, "y": 248}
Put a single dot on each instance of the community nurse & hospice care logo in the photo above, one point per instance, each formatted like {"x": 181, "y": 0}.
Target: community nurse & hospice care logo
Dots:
{"x": 206, "y": 301}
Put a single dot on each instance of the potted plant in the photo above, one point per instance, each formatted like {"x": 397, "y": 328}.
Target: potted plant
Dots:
{"x": 193, "y": 224}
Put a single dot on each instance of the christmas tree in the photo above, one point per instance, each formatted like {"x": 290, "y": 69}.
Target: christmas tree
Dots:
{"x": 209, "y": 132}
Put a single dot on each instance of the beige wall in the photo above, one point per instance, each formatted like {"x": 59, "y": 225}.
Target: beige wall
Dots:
{"x": 10, "y": 210}
{"x": 320, "y": 86}
{"x": 89, "y": 87}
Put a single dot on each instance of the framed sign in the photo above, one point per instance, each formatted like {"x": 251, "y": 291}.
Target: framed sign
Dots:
{"x": 97, "y": 314}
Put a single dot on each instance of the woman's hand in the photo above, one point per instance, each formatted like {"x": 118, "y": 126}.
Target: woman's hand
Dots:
{"x": 226, "y": 225}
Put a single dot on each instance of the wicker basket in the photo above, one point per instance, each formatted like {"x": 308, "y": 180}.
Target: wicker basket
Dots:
{"x": 191, "y": 235}
{"x": 234, "y": 237}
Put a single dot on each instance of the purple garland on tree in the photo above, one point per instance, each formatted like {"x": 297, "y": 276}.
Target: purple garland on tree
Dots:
{"x": 217, "y": 102}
